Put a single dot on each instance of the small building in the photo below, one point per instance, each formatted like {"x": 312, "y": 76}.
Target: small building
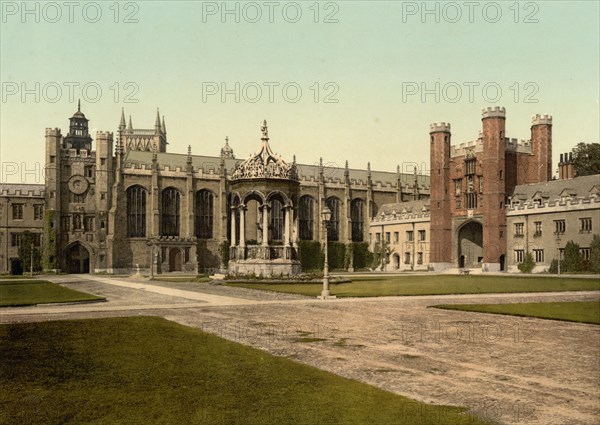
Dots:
{"x": 543, "y": 217}
{"x": 21, "y": 210}
{"x": 403, "y": 230}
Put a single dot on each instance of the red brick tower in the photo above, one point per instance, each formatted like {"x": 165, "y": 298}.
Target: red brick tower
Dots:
{"x": 441, "y": 217}
{"x": 540, "y": 162}
{"x": 494, "y": 188}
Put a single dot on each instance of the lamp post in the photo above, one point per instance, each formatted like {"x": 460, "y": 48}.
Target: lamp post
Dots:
{"x": 150, "y": 243}
{"x": 326, "y": 216}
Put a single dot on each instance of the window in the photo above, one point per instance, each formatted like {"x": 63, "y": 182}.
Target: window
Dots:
{"x": 421, "y": 235}
{"x": 470, "y": 166}
{"x": 519, "y": 255}
{"x": 409, "y": 235}
{"x": 559, "y": 226}
{"x": 52, "y": 159}
{"x": 419, "y": 258}
{"x": 407, "y": 258}
{"x": 585, "y": 225}
{"x": 538, "y": 228}
{"x": 170, "y": 212}
{"x": 38, "y": 212}
{"x": 89, "y": 171}
{"x": 277, "y": 220}
{"x": 17, "y": 211}
{"x": 102, "y": 161}
{"x": 76, "y": 198}
{"x": 306, "y": 217}
{"x": 396, "y": 237}
{"x": 471, "y": 201}
{"x": 88, "y": 224}
{"x": 204, "y": 214}
{"x": 333, "y": 230}
{"x": 377, "y": 237}
{"x": 519, "y": 227}
{"x": 538, "y": 255}
{"x": 586, "y": 254}
{"x": 357, "y": 216}
{"x": 136, "y": 212}
{"x": 387, "y": 237}
{"x": 15, "y": 239}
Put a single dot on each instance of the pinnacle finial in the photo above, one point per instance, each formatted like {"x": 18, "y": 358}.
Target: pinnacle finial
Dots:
{"x": 398, "y": 169}
{"x": 294, "y": 160}
{"x": 369, "y": 166}
{"x": 346, "y": 164}
{"x": 265, "y": 130}
{"x": 164, "y": 126}
{"x": 78, "y": 105}
{"x": 130, "y": 125}
{"x": 226, "y": 140}
{"x": 122, "y": 124}
{"x": 189, "y": 150}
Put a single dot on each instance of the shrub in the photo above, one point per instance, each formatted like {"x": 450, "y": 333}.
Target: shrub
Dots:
{"x": 311, "y": 257}
{"x": 361, "y": 256}
{"x": 29, "y": 254}
{"x": 594, "y": 265}
{"x": 528, "y": 264}
{"x": 553, "y": 267}
{"x": 224, "y": 251}
{"x": 573, "y": 261}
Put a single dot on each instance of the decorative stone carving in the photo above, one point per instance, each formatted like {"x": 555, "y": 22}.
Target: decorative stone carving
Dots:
{"x": 78, "y": 184}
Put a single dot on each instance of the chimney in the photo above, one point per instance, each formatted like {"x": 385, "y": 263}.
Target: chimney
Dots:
{"x": 565, "y": 166}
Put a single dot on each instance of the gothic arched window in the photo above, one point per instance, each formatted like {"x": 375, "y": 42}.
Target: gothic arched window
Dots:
{"x": 136, "y": 212}
{"x": 276, "y": 222}
{"x": 306, "y": 217}
{"x": 357, "y": 215}
{"x": 170, "y": 212}
{"x": 204, "y": 214}
{"x": 333, "y": 230}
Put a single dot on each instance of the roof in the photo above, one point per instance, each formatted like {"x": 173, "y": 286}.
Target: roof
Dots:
{"x": 305, "y": 171}
{"x": 578, "y": 186}
{"x": 415, "y": 206}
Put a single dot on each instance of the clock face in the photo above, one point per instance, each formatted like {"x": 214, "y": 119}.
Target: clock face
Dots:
{"x": 78, "y": 184}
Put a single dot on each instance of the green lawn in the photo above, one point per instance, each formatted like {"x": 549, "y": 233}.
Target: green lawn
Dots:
{"x": 433, "y": 285}
{"x": 147, "y": 370}
{"x": 30, "y": 292}
{"x": 584, "y": 311}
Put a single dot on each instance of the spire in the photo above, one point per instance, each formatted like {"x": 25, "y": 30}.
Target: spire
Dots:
{"x": 369, "y": 171}
{"x": 164, "y": 127}
{"x": 157, "y": 123}
{"x": 346, "y": 171}
{"x": 130, "y": 126}
{"x": 189, "y": 156}
{"x": 122, "y": 124}
{"x": 398, "y": 170}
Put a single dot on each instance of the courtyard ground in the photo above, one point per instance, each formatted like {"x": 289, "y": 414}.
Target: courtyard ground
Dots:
{"x": 508, "y": 369}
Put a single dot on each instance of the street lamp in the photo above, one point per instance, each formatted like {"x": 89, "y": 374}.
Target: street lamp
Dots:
{"x": 326, "y": 216}
{"x": 150, "y": 243}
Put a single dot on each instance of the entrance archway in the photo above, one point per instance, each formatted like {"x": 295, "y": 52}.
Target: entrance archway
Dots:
{"x": 470, "y": 244}
{"x": 175, "y": 263}
{"x": 78, "y": 259}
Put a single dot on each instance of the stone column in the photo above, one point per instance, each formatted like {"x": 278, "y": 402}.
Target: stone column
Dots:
{"x": 242, "y": 243}
{"x": 233, "y": 239}
{"x": 265, "y": 229}
{"x": 286, "y": 227}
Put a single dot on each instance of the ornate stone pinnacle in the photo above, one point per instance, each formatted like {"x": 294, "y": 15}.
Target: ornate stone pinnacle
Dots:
{"x": 189, "y": 150}
{"x": 265, "y": 130}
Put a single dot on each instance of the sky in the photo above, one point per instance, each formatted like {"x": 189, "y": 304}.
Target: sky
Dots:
{"x": 347, "y": 80}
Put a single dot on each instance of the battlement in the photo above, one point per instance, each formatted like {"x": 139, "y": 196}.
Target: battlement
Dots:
{"x": 493, "y": 112}
{"x": 473, "y": 146}
{"x": 517, "y": 145}
{"x": 22, "y": 190}
{"x": 567, "y": 204}
{"x": 541, "y": 119}
{"x": 439, "y": 127}
{"x": 53, "y": 132}
{"x": 104, "y": 135}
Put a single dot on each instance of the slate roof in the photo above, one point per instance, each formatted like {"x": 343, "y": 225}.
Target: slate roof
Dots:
{"x": 576, "y": 187}
{"x": 415, "y": 206}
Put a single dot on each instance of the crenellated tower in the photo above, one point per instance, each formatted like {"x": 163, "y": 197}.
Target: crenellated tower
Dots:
{"x": 441, "y": 218}
{"x": 540, "y": 161}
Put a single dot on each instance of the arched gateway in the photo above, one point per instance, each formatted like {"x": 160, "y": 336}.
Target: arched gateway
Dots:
{"x": 78, "y": 259}
{"x": 264, "y": 204}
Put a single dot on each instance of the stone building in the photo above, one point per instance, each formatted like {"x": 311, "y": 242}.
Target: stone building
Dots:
{"x": 403, "y": 229}
{"x": 21, "y": 210}
{"x": 127, "y": 203}
{"x": 470, "y": 184}
{"x": 543, "y": 217}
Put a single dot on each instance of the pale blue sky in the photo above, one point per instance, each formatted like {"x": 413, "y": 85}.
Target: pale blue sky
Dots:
{"x": 370, "y": 54}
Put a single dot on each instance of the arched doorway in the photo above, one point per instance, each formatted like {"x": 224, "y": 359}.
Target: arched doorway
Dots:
{"x": 175, "y": 264}
{"x": 78, "y": 259}
{"x": 470, "y": 245}
{"x": 396, "y": 262}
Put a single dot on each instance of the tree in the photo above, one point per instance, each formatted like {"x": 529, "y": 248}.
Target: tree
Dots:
{"x": 29, "y": 254}
{"x": 573, "y": 261}
{"x": 586, "y": 159}
{"x": 528, "y": 264}
{"x": 595, "y": 254}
